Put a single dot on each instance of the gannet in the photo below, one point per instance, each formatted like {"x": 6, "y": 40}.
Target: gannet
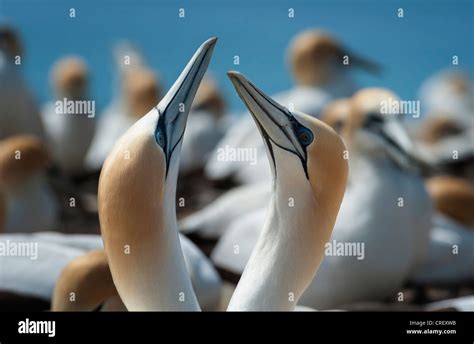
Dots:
{"x": 307, "y": 162}
{"x": 206, "y": 124}
{"x": 57, "y": 255}
{"x": 137, "y": 209}
{"x": 451, "y": 257}
{"x": 450, "y": 91}
{"x": 446, "y": 141}
{"x": 19, "y": 111}
{"x": 31, "y": 204}
{"x": 140, "y": 90}
{"x": 316, "y": 61}
{"x": 69, "y": 133}
{"x": 395, "y": 238}
{"x": 88, "y": 277}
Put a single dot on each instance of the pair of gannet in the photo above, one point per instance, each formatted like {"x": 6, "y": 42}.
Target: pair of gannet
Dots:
{"x": 68, "y": 119}
{"x": 30, "y": 202}
{"x": 318, "y": 66}
{"x": 385, "y": 208}
{"x": 139, "y": 90}
{"x": 451, "y": 254}
{"x": 19, "y": 112}
{"x": 137, "y": 202}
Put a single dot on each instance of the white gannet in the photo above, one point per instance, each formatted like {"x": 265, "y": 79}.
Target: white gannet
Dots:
{"x": 35, "y": 271}
{"x": 309, "y": 178}
{"x": 139, "y": 92}
{"x": 206, "y": 124}
{"x": 317, "y": 63}
{"x": 69, "y": 131}
{"x": 137, "y": 201}
{"x": 19, "y": 112}
{"x": 31, "y": 203}
{"x": 395, "y": 238}
{"x": 447, "y": 142}
{"x": 451, "y": 257}
{"x": 88, "y": 277}
{"x": 57, "y": 255}
{"x": 450, "y": 91}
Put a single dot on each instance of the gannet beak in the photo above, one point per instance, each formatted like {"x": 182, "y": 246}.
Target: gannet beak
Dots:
{"x": 276, "y": 123}
{"x": 173, "y": 109}
{"x": 364, "y": 63}
{"x": 398, "y": 144}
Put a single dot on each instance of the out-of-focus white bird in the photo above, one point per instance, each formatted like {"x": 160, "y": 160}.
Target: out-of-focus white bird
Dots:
{"x": 47, "y": 254}
{"x": 19, "y": 111}
{"x": 447, "y": 141}
{"x": 69, "y": 131}
{"x": 395, "y": 237}
{"x": 451, "y": 254}
{"x": 138, "y": 92}
{"x": 30, "y": 202}
{"x": 317, "y": 64}
{"x": 449, "y": 91}
{"x": 206, "y": 125}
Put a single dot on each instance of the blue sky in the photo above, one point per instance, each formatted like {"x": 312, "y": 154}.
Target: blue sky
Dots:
{"x": 409, "y": 48}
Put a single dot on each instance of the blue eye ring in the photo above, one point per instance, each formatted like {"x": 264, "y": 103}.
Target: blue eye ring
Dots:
{"x": 160, "y": 138}
{"x": 305, "y": 136}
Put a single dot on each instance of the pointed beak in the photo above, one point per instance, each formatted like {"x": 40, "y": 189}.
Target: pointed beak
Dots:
{"x": 276, "y": 124}
{"x": 399, "y": 146}
{"x": 363, "y": 63}
{"x": 174, "y": 108}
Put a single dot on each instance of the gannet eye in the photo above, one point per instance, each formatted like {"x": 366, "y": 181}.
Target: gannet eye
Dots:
{"x": 160, "y": 138}
{"x": 305, "y": 136}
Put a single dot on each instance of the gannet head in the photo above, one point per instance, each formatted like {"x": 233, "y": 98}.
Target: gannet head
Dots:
{"x": 142, "y": 91}
{"x": 440, "y": 126}
{"x": 21, "y": 158}
{"x": 315, "y": 56}
{"x": 136, "y": 195}
{"x": 336, "y": 114}
{"x": 374, "y": 132}
{"x": 69, "y": 77}
{"x": 295, "y": 137}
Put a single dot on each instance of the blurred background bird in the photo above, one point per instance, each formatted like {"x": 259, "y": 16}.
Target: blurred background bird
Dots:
{"x": 69, "y": 134}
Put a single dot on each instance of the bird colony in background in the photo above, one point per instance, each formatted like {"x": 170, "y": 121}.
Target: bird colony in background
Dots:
{"x": 319, "y": 197}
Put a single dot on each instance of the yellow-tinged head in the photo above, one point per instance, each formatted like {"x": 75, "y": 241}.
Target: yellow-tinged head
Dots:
{"x": 21, "y": 157}
{"x": 69, "y": 77}
{"x": 314, "y": 55}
